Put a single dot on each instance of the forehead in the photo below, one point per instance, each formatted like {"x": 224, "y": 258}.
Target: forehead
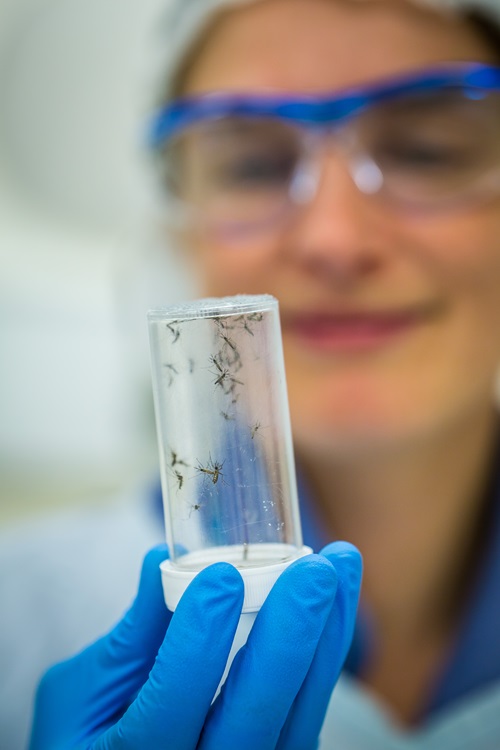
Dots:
{"x": 321, "y": 45}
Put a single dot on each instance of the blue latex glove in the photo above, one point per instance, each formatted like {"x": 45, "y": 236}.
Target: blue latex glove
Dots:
{"x": 149, "y": 684}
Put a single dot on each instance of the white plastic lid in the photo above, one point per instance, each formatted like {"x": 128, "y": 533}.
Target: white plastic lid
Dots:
{"x": 258, "y": 580}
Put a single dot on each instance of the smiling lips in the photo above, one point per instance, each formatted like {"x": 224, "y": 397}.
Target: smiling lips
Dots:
{"x": 353, "y": 331}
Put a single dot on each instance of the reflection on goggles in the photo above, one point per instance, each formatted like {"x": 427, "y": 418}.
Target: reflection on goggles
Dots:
{"x": 423, "y": 150}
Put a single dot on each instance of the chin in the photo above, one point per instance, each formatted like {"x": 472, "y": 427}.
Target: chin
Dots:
{"x": 351, "y": 425}
{"x": 353, "y": 430}
{"x": 351, "y": 438}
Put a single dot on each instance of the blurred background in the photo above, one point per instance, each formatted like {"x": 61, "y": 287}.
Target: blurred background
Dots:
{"x": 82, "y": 255}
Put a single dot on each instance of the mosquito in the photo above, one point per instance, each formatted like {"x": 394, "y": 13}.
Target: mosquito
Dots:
{"x": 176, "y": 332}
{"x": 230, "y": 343}
{"x": 213, "y": 470}
{"x": 223, "y": 324}
{"x": 233, "y": 357}
{"x": 171, "y": 372}
{"x": 196, "y": 506}
{"x": 180, "y": 479}
{"x": 222, "y": 377}
{"x": 248, "y": 329}
{"x": 222, "y": 373}
{"x": 175, "y": 460}
{"x": 234, "y": 383}
{"x": 252, "y": 318}
{"x": 254, "y": 429}
{"x": 227, "y": 417}
{"x": 216, "y": 362}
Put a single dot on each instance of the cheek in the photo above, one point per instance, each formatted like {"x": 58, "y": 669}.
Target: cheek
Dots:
{"x": 465, "y": 259}
{"x": 462, "y": 249}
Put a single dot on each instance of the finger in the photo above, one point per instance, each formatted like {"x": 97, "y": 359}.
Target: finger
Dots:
{"x": 126, "y": 655}
{"x": 143, "y": 626}
{"x": 303, "y": 725}
{"x": 170, "y": 710}
{"x": 268, "y": 671}
{"x": 348, "y": 563}
{"x": 99, "y": 682}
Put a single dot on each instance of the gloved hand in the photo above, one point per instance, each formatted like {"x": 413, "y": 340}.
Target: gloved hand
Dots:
{"x": 149, "y": 684}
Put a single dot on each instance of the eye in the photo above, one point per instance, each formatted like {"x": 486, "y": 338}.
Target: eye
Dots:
{"x": 255, "y": 170}
{"x": 421, "y": 156}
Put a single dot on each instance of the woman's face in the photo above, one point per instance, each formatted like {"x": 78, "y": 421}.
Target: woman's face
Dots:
{"x": 391, "y": 320}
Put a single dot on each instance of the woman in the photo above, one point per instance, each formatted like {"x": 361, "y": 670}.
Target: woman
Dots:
{"x": 343, "y": 156}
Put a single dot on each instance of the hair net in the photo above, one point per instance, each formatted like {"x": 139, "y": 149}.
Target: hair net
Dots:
{"x": 185, "y": 21}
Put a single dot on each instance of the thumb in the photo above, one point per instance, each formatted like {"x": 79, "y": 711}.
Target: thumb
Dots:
{"x": 304, "y": 722}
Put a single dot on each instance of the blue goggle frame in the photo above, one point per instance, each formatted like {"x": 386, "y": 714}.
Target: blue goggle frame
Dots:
{"x": 473, "y": 79}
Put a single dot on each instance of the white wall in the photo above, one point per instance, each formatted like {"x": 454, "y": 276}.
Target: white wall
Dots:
{"x": 80, "y": 261}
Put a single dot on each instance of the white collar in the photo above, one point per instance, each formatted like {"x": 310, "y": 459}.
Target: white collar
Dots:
{"x": 356, "y": 720}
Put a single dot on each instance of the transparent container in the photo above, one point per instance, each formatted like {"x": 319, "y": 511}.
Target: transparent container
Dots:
{"x": 226, "y": 456}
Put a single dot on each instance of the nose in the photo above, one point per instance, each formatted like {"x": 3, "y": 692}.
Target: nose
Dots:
{"x": 337, "y": 235}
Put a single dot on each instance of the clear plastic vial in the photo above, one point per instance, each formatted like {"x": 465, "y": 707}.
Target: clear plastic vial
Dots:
{"x": 226, "y": 456}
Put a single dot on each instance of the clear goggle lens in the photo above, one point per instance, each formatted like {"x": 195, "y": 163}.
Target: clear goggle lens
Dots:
{"x": 419, "y": 152}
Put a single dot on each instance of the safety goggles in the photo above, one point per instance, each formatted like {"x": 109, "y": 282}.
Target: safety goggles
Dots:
{"x": 237, "y": 164}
